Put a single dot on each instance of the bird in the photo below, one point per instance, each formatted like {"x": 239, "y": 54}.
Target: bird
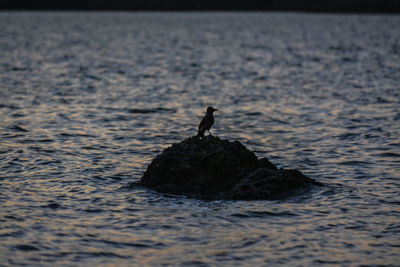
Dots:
{"x": 206, "y": 122}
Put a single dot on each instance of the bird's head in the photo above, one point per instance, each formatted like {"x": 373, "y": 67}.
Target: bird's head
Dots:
{"x": 210, "y": 110}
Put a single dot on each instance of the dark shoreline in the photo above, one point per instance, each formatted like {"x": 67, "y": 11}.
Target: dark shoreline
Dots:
{"x": 325, "y": 6}
{"x": 394, "y": 12}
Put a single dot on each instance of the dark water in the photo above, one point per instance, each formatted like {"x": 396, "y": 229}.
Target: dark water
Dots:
{"x": 88, "y": 99}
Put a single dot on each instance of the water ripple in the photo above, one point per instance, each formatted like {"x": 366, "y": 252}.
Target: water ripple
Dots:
{"x": 84, "y": 109}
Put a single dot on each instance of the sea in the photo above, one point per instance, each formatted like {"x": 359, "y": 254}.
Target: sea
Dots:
{"x": 88, "y": 99}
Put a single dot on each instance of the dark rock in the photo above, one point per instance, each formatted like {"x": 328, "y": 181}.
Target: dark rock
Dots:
{"x": 266, "y": 164}
{"x": 267, "y": 184}
{"x": 211, "y": 168}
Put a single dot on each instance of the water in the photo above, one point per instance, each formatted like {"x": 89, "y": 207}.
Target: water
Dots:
{"x": 88, "y": 99}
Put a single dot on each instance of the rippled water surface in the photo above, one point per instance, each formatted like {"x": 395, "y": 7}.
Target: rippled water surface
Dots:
{"x": 88, "y": 99}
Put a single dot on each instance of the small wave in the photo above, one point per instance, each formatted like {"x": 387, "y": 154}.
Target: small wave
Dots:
{"x": 140, "y": 110}
{"x": 262, "y": 214}
{"x": 75, "y": 135}
{"x": 194, "y": 263}
{"x": 246, "y": 243}
{"x": 102, "y": 254}
{"x": 12, "y": 234}
{"x": 47, "y": 162}
{"x": 15, "y": 68}
{"x": 326, "y": 262}
{"x": 18, "y": 128}
{"x": 41, "y": 149}
{"x": 353, "y": 162}
{"x": 388, "y": 155}
{"x": 91, "y": 147}
{"x": 93, "y": 77}
{"x": 45, "y": 140}
{"x": 94, "y": 210}
{"x": 392, "y": 228}
{"x": 53, "y": 206}
{"x": 153, "y": 110}
{"x": 254, "y": 114}
{"x": 140, "y": 244}
{"x": 9, "y": 106}
{"x": 347, "y": 136}
{"x": 26, "y": 248}
{"x": 121, "y": 118}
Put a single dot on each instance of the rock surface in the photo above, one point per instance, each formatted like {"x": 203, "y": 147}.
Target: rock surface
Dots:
{"x": 211, "y": 168}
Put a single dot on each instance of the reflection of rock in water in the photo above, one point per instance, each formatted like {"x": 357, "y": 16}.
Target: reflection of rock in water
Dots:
{"x": 211, "y": 168}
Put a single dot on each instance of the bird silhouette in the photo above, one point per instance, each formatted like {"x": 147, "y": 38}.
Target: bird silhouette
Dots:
{"x": 206, "y": 122}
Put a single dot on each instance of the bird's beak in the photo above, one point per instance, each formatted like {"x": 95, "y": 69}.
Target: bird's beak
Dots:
{"x": 215, "y": 109}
